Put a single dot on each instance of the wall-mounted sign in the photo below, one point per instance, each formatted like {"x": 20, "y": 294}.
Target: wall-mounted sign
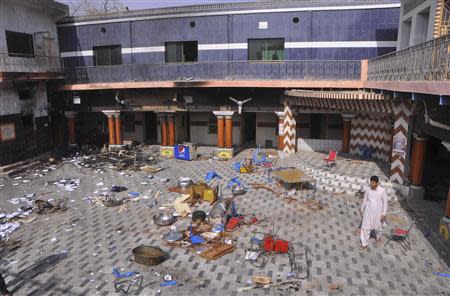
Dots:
{"x": 263, "y": 25}
{"x": 7, "y": 132}
{"x": 281, "y": 129}
{"x": 188, "y": 99}
{"x": 399, "y": 146}
{"x": 76, "y": 100}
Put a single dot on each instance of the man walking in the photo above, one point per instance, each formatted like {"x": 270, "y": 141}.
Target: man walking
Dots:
{"x": 373, "y": 210}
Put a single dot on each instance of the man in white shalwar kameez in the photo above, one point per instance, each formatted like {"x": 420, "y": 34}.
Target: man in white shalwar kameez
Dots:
{"x": 373, "y": 210}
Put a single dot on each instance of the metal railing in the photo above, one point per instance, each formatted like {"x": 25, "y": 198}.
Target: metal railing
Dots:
{"x": 429, "y": 61}
{"x": 235, "y": 70}
{"x": 29, "y": 64}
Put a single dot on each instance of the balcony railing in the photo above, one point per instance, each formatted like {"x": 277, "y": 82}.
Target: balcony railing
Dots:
{"x": 429, "y": 61}
{"x": 236, "y": 70}
{"x": 35, "y": 64}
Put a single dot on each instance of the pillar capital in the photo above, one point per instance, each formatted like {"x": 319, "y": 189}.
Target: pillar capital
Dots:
{"x": 223, "y": 113}
{"x": 347, "y": 116}
{"x": 419, "y": 138}
{"x": 111, "y": 113}
{"x": 280, "y": 114}
{"x": 70, "y": 114}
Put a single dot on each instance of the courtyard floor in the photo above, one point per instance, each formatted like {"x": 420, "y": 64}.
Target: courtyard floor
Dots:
{"x": 73, "y": 252}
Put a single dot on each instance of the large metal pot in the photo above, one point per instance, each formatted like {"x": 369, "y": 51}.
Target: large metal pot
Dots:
{"x": 149, "y": 255}
{"x": 164, "y": 219}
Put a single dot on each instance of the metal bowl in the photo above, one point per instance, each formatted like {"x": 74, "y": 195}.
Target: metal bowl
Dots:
{"x": 238, "y": 189}
{"x": 149, "y": 255}
{"x": 164, "y": 219}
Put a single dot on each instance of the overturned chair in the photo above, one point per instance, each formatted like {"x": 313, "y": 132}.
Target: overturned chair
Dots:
{"x": 401, "y": 236}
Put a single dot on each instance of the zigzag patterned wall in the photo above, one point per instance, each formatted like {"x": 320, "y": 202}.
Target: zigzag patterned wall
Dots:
{"x": 289, "y": 130}
{"x": 402, "y": 114}
{"x": 373, "y": 133}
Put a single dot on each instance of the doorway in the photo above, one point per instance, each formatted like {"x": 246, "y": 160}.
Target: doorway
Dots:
{"x": 248, "y": 129}
{"x": 151, "y": 128}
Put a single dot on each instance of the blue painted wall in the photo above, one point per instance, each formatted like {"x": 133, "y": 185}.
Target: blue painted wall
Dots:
{"x": 343, "y": 25}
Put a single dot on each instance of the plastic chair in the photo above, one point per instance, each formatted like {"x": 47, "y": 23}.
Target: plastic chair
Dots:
{"x": 331, "y": 159}
{"x": 401, "y": 236}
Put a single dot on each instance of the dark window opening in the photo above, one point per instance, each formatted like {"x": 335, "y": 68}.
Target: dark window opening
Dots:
{"x": 25, "y": 94}
{"x": 266, "y": 49}
{"x": 181, "y": 52}
{"x": 28, "y": 121}
{"x": 128, "y": 122}
{"x": 295, "y": 20}
{"x": 212, "y": 124}
{"x": 192, "y": 24}
{"x": 19, "y": 44}
{"x": 107, "y": 55}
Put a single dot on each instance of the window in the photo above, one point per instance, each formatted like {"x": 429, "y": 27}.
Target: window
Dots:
{"x": 181, "y": 52}
{"x": 28, "y": 121}
{"x": 107, "y": 55}
{"x": 212, "y": 124}
{"x": 19, "y": 44}
{"x": 266, "y": 49}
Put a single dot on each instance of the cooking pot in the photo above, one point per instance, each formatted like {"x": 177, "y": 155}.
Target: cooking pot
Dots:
{"x": 238, "y": 189}
{"x": 149, "y": 255}
{"x": 184, "y": 184}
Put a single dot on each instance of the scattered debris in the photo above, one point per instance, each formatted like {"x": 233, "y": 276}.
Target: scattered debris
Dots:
{"x": 45, "y": 207}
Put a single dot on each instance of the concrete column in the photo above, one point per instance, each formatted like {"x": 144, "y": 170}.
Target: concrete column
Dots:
{"x": 171, "y": 127}
{"x": 118, "y": 126}
{"x": 280, "y": 123}
{"x": 224, "y": 133}
{"x": 111, "y": 130}
{"x": 418, "y": 160}
{"x": 346, "y": 132}
{"x": 229, "y": 131}
{"x": 163, "y": 123}
{"x": 70, "y": 115}
{"x": 220, "y": 131}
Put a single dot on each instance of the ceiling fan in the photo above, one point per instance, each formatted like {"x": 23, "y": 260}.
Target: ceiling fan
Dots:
{"x": 240, "y": 103}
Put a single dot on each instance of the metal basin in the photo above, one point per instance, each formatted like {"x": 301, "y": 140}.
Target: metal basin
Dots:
{"x": 238, "y": 189}
{"x": 164, "y": 219}
{"x": 149, "y": 255}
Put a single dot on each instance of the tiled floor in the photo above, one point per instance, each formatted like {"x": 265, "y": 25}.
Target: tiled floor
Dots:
{"x": 73, "y": 253}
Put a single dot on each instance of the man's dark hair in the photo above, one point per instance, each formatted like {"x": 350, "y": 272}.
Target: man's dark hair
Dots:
{"x": 374, "y": 178}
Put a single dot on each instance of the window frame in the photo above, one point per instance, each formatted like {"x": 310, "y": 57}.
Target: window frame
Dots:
{"x": 181, "y": 49}
{"x": 212, "y": 125}
{"x": 267, "y": 40}
{"x": 109, "y": 48}
{"x": 30, "y": 42}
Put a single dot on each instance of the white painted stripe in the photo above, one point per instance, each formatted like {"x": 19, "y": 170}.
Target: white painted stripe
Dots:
{"x": 295, "y": 9}
{"x": 84, "y": 53}
{"x": 222, "y": 46}
{"x": 340, "y": 44}
{"x": 228, "y": 46}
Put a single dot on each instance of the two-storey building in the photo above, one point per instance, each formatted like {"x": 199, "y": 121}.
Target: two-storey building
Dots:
{"x": 29, "y": 62}
{"x": 168, "y": 75}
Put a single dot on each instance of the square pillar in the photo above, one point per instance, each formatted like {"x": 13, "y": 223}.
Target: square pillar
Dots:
{"x": 224, "y": 133}
{"x": 280, "y": 122}
{"x": 71, "y": 126}
{"x": 289, "y": 132}
{"x": 346, "y": 131}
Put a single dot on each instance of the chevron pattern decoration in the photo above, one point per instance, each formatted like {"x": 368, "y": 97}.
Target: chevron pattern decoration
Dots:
{"x": 289, "y": 137}
{"x": 402, "y": 114}
{"x": 371, "y": 133}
